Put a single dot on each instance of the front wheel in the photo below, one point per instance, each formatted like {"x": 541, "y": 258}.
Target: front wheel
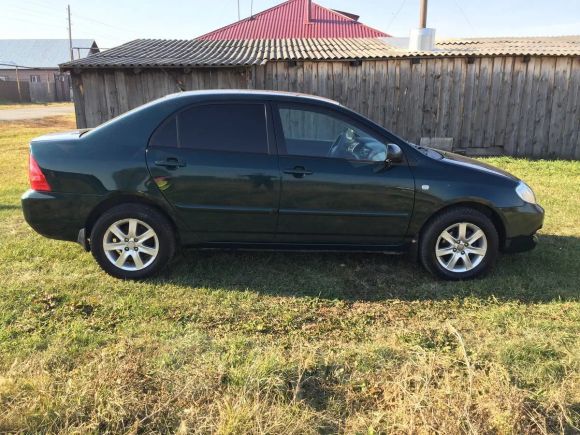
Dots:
{"x": 132, "y": 241}
{"x": 461, "y": 243}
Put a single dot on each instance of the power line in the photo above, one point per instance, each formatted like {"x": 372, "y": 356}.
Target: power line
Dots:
{"x": 33, "y": 13}
{"x": 38, "y": 3}
{"x": 29, "y": 12}
{"x": 396, "y": 14}
{"x": 37, "y": 23}
{"x": 18, "y": 66}
{"x": 96, "y": 30}
{"x": 98, "y": 22}
{"x": 464, "y": 14}
{"x": 33, "y": 17}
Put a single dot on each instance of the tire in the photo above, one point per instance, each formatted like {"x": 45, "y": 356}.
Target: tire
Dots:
{"x": 452, "y": 248}
{"x": 116, "y": 246}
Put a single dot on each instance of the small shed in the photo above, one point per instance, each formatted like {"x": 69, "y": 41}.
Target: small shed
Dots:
{"x": 490, "y": 96}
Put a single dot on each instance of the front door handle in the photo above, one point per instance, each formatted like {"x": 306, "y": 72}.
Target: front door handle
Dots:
{"x": 170, "y": 163}
{"x": 298, "y": 171}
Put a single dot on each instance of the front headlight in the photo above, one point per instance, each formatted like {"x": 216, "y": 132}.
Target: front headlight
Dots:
{"x": 526, "y": 193}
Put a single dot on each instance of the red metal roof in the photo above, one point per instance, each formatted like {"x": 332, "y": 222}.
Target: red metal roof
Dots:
{"x": 288, "y": 20}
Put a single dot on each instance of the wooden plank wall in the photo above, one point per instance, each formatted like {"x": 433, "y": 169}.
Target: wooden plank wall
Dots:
{"x": 488, "y": 105}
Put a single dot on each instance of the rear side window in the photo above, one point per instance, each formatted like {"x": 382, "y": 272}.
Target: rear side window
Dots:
{"x": 224, "y": 127}
{"x": 166, "y": 134}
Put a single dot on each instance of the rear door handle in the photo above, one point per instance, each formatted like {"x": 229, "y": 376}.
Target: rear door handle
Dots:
{"x": 170, "y": 162}
{"x": 298, "y": 171}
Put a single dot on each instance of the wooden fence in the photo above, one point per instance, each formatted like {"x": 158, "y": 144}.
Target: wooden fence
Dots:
{"x": 9, "y": 91}
{"x": 36, "y": 92}
{"x": 522, "y": 106}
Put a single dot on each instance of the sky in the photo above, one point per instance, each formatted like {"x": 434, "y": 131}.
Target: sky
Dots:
{"x": 113, "y": 22}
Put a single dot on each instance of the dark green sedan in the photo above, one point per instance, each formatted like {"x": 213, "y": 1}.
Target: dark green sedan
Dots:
{"x": 269, "y": 170}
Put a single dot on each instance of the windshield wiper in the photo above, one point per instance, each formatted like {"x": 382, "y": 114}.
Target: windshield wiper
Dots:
{"x": 427, "y": 151}
{"x": 419, "y": 147}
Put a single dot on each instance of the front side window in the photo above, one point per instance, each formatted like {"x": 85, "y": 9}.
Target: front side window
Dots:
{"x": 319, "y": 133}
{"x": 224, "y": 127}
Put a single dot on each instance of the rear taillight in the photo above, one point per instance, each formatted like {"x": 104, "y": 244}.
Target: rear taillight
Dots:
{"x": 37, "y": 179}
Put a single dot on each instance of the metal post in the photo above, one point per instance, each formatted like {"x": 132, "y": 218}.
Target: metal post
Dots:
{"x": 70, "y": 34}
{"x": 423, "y": 14}
{"x": 18, "y": 85}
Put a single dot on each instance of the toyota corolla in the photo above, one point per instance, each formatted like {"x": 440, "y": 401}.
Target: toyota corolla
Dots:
{"x": 269, "y": 170}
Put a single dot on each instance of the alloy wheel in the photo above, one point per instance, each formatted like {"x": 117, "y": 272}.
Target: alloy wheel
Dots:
{"x": 461, "y": 247}
{"x": 130, "y": 244}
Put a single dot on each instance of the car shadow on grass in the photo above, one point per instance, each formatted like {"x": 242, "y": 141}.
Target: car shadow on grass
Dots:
{"x": 550, "y": 272}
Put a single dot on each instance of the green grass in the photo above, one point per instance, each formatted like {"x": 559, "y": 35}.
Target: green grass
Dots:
{"x": 288, "y": 343}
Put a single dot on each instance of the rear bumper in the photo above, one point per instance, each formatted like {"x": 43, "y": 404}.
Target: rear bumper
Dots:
{"x": 57, "y": 215}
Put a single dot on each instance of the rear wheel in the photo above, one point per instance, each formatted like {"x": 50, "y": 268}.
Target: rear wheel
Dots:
{"x": 461, "y": 243}
{"x": 132, "y": 241}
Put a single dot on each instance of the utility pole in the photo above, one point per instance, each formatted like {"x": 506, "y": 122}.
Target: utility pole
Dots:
{"x": 70, "y": 34}
{"x": 423, "y": 15}
{"x": 238, "y": 10}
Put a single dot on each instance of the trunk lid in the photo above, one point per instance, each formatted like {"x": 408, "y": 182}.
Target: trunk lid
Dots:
{"x": 60, "y": 136}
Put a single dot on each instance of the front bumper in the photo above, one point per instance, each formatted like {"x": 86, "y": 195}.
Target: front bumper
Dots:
{"x": 520, "y": 244}
{"x": 522, "y": 223}
{"x": 57, "y": 215}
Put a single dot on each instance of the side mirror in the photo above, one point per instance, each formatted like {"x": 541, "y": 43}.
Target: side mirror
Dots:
{"x": 394, "y": 153}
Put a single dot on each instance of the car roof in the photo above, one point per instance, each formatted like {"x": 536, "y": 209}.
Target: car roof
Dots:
{"x": 249, "y": 93}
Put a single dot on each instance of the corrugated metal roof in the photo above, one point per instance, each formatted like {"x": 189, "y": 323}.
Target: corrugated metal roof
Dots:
{"x": 41, "y": 53}
{"x": 532, "y": 45}
{"x": 160, "y": 53}
{"x": 287, "y": 20}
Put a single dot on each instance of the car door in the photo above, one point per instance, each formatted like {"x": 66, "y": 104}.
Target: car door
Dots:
{"x": 215, "y": 164}
{"x": 345, "y": 197}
